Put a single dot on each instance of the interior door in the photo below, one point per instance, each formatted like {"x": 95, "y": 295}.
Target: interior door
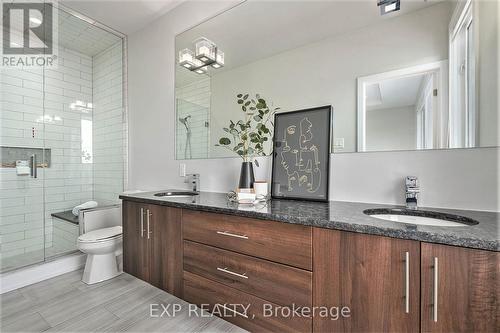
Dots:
{"x": 460, "y": 289}
{"x": 136, "y": 251}
{"x": 377, "y": 278}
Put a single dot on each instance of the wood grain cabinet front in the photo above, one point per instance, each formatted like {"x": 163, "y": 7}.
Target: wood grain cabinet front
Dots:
{"x": 460, "y": 289}
{"x": 280, "y": 242}
{"x": 395, "y": 285}
{"x": 136, "y": 250}
{"x": 275, "y": 282}
{"x": 247, "y": 311}
{"x": 376, "y": 278}
{"x": 152, "y": 245}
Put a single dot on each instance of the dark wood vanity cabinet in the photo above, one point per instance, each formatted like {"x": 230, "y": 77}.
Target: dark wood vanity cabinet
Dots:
{"x": 460, "y": 289}
{"x": 377, "y": 278}
{"x": 374, "y": 278}
{"x": 135, "y": 247}
{"x": 387, "y": 284}
{"x": 151, "y": 245}
{"x": 235, "y": 260}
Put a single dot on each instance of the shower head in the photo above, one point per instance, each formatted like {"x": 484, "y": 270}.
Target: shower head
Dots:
{"x": 184, "y": 120}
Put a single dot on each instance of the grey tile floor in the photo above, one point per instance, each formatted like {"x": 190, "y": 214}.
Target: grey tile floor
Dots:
{"x": 65, "y": 304}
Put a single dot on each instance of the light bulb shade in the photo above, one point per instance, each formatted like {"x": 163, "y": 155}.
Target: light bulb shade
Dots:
{"x": 205, "y": 50}
{"x": 186, "y": 59}
{"x": 201, "y": 70}
{"x": 219, "y": 62}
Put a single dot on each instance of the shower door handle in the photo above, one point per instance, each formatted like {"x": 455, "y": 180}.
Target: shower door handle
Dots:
{"x": 33, "y": 170}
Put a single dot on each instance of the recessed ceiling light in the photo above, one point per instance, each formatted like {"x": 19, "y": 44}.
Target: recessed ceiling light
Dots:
{"x": 388, "y": 6}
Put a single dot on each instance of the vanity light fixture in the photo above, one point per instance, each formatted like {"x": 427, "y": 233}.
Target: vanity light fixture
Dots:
{"x": 201, "y": 70}
{"x": 388, "y": 6}
{"x": 186, "y": 58}
{"x": 206, "y": 50}
{"x": 205, "y": 54}
{"x": 220, "y": 60}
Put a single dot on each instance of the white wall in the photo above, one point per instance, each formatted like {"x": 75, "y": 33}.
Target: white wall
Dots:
{"x": 488, "y": 68}
{"x": 391, "y": 129}
{"x": 453, "y": 178}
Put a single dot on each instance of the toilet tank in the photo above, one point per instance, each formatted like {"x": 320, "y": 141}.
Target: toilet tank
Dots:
{"x": 100, "y": 217}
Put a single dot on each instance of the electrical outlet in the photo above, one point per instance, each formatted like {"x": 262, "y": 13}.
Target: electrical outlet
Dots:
{"x": 182, "y": 170}
{"x": 339, "y": 143}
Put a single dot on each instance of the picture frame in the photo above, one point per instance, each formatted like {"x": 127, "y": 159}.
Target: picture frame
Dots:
{"x": 301, "y": 154}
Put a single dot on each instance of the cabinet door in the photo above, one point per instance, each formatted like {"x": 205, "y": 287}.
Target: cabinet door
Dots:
{"x": 165, "y": 240}
{"x": 378, "y": 278}
{"x": 135, "y": 245}
{"x": 460, "y": 289}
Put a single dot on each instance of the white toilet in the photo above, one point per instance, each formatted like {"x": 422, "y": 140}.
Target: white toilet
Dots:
{"x": 101, "y": 239}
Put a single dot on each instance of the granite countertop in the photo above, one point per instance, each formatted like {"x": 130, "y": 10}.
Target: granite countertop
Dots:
{"x": 347, "y": 216}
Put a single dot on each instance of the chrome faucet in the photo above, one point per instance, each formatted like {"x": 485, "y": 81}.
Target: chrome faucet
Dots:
{"x": 412, "y": 191}
{"x": 194, "y": 179}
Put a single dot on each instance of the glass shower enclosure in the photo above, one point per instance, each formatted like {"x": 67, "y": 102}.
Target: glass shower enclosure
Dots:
{"x": 63, "y": 140}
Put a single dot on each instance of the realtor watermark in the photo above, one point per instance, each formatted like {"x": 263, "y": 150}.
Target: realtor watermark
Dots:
{"x": 29, "y": 34}
{"x": 228, "y": 310}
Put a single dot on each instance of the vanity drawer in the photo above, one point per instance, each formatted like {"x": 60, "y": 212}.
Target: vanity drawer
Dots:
{"x": 220, "y": 298}
{"x": 275, "y": 282}
{"x": 281, "y": 242}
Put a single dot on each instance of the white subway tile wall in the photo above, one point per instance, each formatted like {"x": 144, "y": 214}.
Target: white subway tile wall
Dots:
{"x": 45, "y": 108}
{"x": 193, "y": 100}
{"x": 36, "y": 112}
{"x": 109, "y": 125}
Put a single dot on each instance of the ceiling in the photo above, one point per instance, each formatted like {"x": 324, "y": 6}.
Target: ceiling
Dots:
{"x": 393, "y": 93}
{"x": 125, "y": 16}
{"x": 81, "y": 36}
{"x": 72, "y": 32}
{"x": 259, "y": 29}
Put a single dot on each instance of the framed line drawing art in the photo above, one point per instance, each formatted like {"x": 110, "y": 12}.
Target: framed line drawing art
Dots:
{"x": 301, "y": 154}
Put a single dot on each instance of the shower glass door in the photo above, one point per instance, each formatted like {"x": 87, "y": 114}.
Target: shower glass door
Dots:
{"x": 22, "y": 223}
{"x": 69, "y": 120}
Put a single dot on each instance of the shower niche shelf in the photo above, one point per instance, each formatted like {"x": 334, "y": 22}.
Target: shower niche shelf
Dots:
{"x": 9, "y": 156}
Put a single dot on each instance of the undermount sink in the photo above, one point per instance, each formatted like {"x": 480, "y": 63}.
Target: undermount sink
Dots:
{"x": 420, "y": 217}
{"x": 176, "y": 193}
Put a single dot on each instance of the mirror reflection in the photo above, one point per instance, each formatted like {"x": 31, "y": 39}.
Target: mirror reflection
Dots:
{"x": 421, "y": 77}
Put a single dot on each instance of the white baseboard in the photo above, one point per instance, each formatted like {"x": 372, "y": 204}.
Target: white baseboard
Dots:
{"x": 32, "y": 274}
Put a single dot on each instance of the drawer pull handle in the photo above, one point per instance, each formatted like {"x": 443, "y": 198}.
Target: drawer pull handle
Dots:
{"x": 233, "y": 311}
{"x": 225, "y": 233}
{"x": 225, "y": 270}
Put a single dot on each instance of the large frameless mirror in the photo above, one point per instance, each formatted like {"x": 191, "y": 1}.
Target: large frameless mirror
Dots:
{"x": 424, "y": 76}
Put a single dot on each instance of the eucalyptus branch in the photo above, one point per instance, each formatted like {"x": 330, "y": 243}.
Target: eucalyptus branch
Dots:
{"x": 249, "y": 135}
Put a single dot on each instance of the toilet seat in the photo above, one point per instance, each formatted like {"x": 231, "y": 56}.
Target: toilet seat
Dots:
{"x": 101, "y": 235}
